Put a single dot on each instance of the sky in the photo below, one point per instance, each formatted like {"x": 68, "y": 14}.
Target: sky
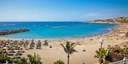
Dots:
{"x": 61, "y": 10}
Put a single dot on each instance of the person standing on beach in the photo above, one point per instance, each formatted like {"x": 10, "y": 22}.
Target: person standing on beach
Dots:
{"x": 124, "y": 60}
{"x": 109, "y": 48}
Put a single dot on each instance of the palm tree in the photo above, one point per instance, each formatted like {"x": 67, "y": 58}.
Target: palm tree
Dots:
{"x": 24, "y": 60}
{"x": 103, "y": 53}
{"x": 69, "y": 49}
{"x": 100, "y": 53}
{"x": 58, "y": 62}
{"x": 34, "y": 59}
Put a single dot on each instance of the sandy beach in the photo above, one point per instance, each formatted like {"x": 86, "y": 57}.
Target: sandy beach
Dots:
{"x": 90, "y": 44}
{"x": 63, "y": 31}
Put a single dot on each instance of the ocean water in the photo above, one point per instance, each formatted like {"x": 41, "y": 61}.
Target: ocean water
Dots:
{"x": 55, "y": 30}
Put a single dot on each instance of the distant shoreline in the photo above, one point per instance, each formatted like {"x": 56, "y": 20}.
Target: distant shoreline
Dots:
{"x": 117, "y": 20}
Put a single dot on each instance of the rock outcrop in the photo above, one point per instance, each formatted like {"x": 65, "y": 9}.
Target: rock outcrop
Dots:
{"x": 12, "y": 31}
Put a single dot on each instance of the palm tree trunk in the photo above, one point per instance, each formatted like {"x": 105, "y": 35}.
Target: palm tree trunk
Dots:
{"x": 68, "y": 58}
{"x": 100, "y": 59}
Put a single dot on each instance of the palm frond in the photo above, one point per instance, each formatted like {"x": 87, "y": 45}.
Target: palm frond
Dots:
{"x": 69, "y": 47}
{"x": 64, "y": 48}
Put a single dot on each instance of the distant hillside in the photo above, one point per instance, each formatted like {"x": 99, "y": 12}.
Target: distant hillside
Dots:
{"x": 112, "y": 20}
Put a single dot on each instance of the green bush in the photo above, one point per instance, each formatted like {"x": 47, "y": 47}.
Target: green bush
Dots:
{"x": 101, "y": 51}
{"x": 18, "y": 61}
{"x": 59, "y": 62}
{"x": 36, "y": 59}
{"x": 116, "y": 53}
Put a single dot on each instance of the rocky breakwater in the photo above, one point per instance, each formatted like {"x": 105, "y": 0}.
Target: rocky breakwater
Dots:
{"x": 12, "y": 31}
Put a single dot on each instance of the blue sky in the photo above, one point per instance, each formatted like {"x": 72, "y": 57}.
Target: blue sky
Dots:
{"x": 61, "y": 10}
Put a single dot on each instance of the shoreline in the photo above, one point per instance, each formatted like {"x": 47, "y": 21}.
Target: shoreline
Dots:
{"x": 66, "y": 38}
{"x": 107, "y": 30}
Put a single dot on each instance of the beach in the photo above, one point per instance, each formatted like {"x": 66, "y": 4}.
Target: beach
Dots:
{"x": 90, "y": 44}
{"x": 63, "y": 31}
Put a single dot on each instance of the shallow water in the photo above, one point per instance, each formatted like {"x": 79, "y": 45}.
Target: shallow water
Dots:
{"x": 52, "y": 30}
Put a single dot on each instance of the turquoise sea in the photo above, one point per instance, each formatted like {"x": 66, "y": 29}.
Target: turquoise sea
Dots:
{"x": 55, "y": 30}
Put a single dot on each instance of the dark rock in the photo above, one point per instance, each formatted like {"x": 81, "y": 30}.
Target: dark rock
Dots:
{"x": 13, "y": 31}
